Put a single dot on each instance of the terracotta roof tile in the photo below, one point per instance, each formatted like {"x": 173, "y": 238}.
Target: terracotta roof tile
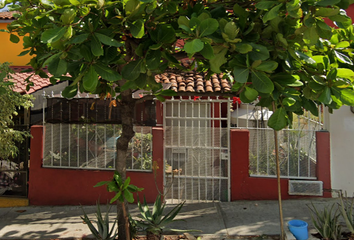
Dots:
{"x": 194, "y": 82}
{"x": 20, "y": 84}
{"x": 178, "y": 82}
{"x": 7, "y": 16}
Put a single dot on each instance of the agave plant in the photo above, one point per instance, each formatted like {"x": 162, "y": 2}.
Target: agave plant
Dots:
{"x": 103, "y": 231}
{"x": 326, "y": 222}
{"x": 154, "y": 222}
{"x": 346, "y": 210}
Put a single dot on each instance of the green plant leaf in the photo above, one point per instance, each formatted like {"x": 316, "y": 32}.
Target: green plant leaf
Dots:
{"x": 259, "y": 52}
{"x": 14, "y": 38}
{"x": 218, "y": 60}
{"x": 137, "y": 29}
{"x": 90, "y": 79}
{"x": 278, "y": 120}
{"x": 166, "y": 34}
{"x": 107, "y": 40}
{"x": 153, "y": 59}
{"x": 79, "y": 38}
{"x": 265, "y": 5}
{"x": 96, "y": 46}
{"x": 207, "y": 51}
{"x": 347, "y": 97}
{"x": 273, "y": 13}
{"x": 241, "y": 74}
{"x": 250, "y": 94}
{"x": 231, "y": 30}
{"x": 193, "y": 46}
{"x": 57, "y": 66}
{"x": 261, "y": 82}
{"x": 208, "y": 26}
{"x": 343, "y": 58}
{"x": 131, "y": 71}
{"x": 267, "y": 66}
{"x": 107, "y": 73}
{"x": 128, "y": 196}
{"x": 70, "y": 91}
{"x": 53, "y": 34}
{"x": 325, "y": 96}
{"x": 345, "y": 73}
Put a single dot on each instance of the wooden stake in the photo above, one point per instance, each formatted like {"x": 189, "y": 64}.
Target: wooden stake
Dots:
{"x": 282, "y": 235}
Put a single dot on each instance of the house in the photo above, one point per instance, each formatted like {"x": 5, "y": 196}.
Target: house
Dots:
{"x": 203, "y": 151}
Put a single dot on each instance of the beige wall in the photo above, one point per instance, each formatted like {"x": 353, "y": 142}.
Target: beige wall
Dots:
{"x": 341, "y": 127}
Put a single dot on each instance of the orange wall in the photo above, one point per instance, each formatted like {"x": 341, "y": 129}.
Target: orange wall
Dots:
{"x": 9, "y": 51}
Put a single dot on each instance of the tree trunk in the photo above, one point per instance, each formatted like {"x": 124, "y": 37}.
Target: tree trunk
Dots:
{"x": 126, "y": 106}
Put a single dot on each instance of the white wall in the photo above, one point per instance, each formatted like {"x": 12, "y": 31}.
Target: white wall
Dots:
{"x": 341, "y": 127}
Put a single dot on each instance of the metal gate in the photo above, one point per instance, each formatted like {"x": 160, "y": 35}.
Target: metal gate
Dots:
{"x": 14, "y": 171}
{"x": 196, "y": 149}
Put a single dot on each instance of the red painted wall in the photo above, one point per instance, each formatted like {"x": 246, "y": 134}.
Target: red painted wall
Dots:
{"x": 54, "y": 186}
{"x": 244, "y": 187}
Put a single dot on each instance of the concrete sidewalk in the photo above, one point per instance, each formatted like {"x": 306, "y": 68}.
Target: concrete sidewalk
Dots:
{"x": 218, "y": 220}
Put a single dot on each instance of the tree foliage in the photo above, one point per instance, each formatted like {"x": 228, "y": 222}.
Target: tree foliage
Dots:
{"x": 11, "y": 102}
{"x": 281, "y": 51}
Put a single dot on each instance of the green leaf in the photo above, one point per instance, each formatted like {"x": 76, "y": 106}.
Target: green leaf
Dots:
{"x": 131, "y": 71}
{"x": 128, "y": 196}
{"x": 137, "y": 29}
{"x": 241, "y": 74}
{"x": 23, "y": 53}
{"x": 267, "y": 66}
{"x": 219, "y": 59}
{"x": 325, "y": 96}
{"x": 250, "y": 93}
{"x": 96, "y": 46}
{"x": 208, "y": 26}
{"x": 207, "y": 51}
{"x": 347, "y": 97}
{"x": 231, "y": 30}
{"x": 70, "y": 91}
{"x": 288, "y": 101}
{"x": 326, "y": 12}
{"x": 107, "y": 40}
{"x": 261, "y": 82}
{"x": 325, "y": 3}
{"x": 304, "y": 57}
{"x": 243, "y": 48}
{"x": 273, "y": 13}
{"x": 53, "y": 34}
{"x": 278, "y": 120}
{"x": 259, "y": 52}
{"x": 107, "y": 73}
{"x": 90, "y": 80}
{"x": 57, "y": 66}
{"x": 99, "y": 184}
{"x": 153, "y": 59}
{"x": 79, "y": 38}
{"x": 345, "y": 73}
{"x": 14, "y": 38}
{"x": 343, "y": 58}
{"x": 265, "y": 5}
{"x": 183, "y": 20}
{"x": 193, "y": 46}
{"x": 166, "y": 34}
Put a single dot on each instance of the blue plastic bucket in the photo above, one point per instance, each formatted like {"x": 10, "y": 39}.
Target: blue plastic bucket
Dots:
{"x": 299, "y": 229}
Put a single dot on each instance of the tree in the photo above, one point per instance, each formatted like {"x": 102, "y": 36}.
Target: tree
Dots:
{"x": 10, "y": 102}
{"x": 281, "y": 52}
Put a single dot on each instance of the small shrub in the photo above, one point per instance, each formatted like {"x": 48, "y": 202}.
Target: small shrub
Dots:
{"x": 326, "y": 222}
{"x": 103, "y": 231}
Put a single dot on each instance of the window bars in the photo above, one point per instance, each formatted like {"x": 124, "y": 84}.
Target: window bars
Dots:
{"x": 78, "y": 135}
{"x": 297, "y": 146}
